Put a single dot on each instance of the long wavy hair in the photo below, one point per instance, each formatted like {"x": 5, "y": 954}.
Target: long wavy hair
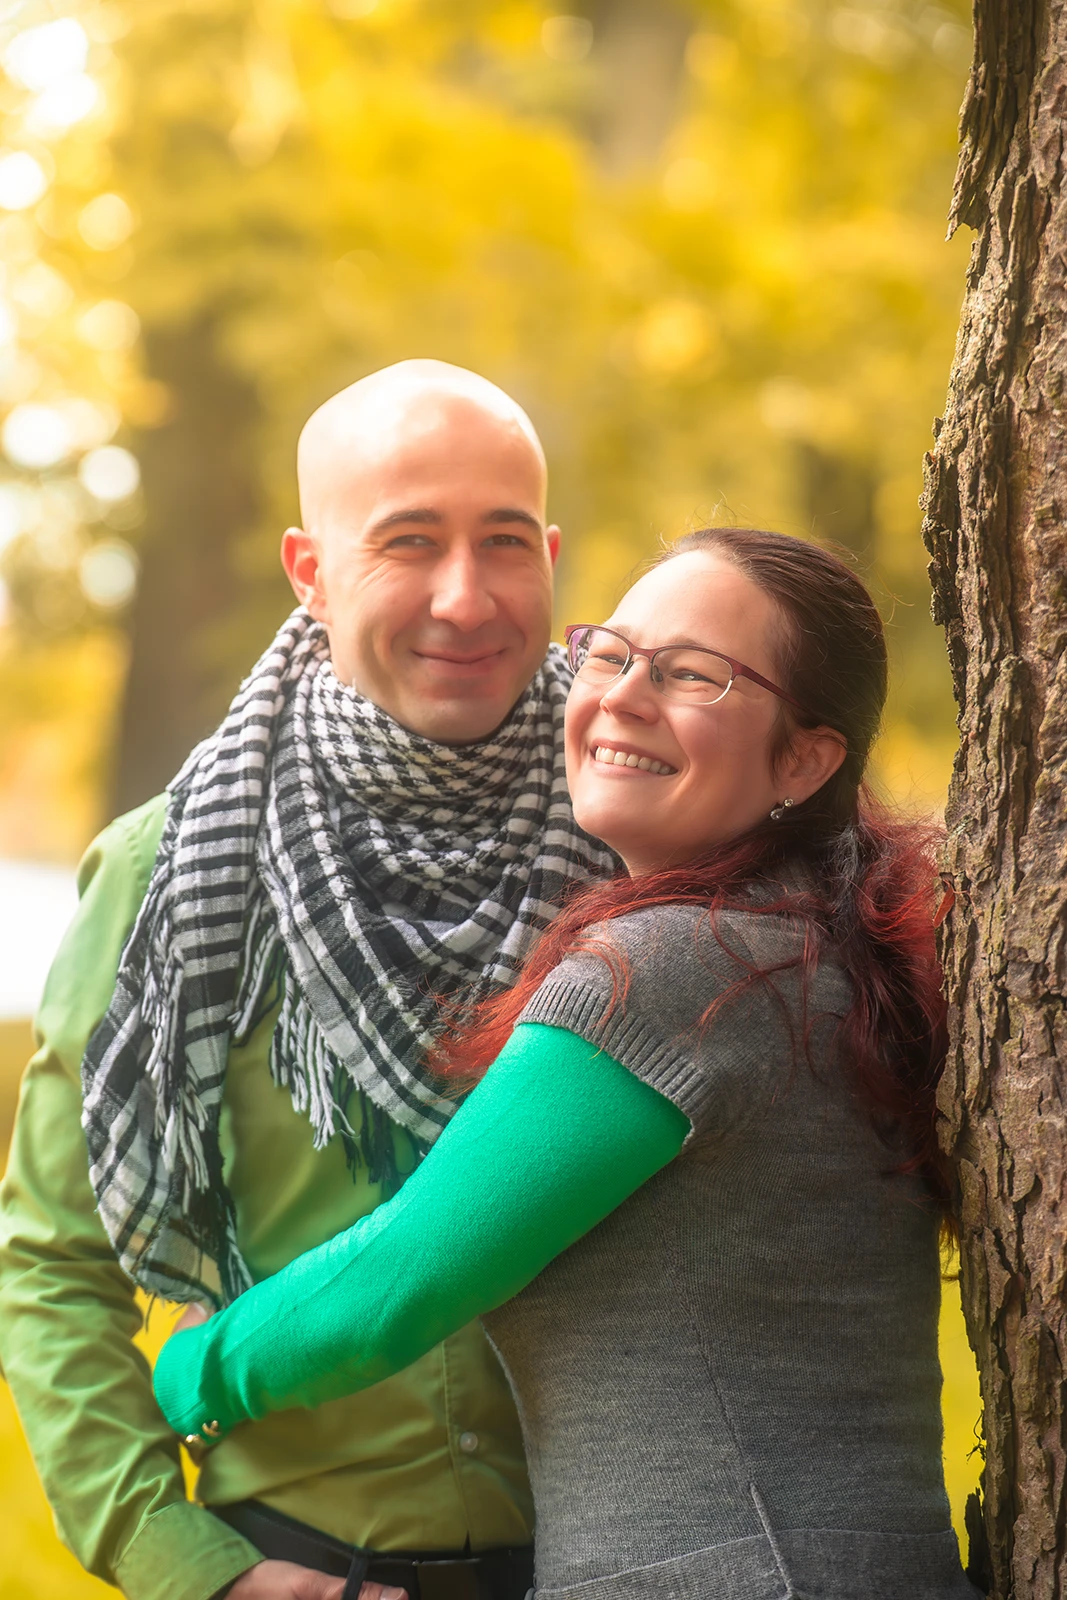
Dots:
{"x": 870, "y": 883}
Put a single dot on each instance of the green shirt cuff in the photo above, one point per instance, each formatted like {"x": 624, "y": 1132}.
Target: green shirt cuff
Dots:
{"x": 183, "y": 1553}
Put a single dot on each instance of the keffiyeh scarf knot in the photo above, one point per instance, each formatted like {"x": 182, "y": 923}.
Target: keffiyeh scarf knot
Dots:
{"x": 322, "y": 863}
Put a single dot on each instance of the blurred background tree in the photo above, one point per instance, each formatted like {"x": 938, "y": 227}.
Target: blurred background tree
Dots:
{"x": 701, "y": 242}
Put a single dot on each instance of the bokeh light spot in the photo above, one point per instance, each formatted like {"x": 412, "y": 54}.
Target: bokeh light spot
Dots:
{"x": 672, "y": 336}
{"x": 15, "y": 512}
{"x": 36, "y": 436}
{"x": 107, "y": 573}
{"x": 786, "y": 406}
{"x": 42, "y": 291}
{"x": 110, "y": 473}
{"x": 22, "y": 180}
{"x": 110, "y": 325}
{"x": 63, "y": 105}
{"x": 43, "y": 56}
{"x": 953, "y": 44}
{"x": 91, "y": 422}
{"x": 880, "y": 39}
{"x": 106, "y": 222}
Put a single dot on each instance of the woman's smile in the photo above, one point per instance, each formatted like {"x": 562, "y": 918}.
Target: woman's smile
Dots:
{"x": 627, "y": 758}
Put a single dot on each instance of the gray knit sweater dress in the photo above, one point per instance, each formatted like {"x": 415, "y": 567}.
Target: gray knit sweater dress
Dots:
{"x": 730, "y": 1388}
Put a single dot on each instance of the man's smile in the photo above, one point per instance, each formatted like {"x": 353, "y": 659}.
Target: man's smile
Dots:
{"x": 450, "y": 663}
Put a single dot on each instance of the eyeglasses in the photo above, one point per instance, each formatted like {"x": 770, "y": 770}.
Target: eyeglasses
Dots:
{"x": 683, "y": 672}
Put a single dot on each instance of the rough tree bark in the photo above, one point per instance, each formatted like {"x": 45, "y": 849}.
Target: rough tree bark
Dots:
{"x": 996, "y": 529}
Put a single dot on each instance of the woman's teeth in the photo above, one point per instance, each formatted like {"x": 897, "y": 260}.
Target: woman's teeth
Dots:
{"x": 619, "y": 758}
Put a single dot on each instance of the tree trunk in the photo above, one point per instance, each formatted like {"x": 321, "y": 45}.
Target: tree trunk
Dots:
{"x": 200, "y": 495}
{"x": 996, "y": 529}
{"x": 640, "y": 52}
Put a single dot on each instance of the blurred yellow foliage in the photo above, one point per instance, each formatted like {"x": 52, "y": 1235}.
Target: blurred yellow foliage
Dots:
{"x": 55, "y": 730}
{"x": 702, "y": 243}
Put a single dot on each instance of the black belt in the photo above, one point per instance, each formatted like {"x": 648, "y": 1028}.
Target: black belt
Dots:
{"x": 504, "y": 1574}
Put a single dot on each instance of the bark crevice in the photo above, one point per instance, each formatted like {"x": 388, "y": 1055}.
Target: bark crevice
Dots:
{"x": 996, "y": 497}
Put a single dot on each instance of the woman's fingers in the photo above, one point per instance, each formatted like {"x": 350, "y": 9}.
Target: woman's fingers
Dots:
{"x": 193, "y": 1315}
{"x": 381, "y": 1591}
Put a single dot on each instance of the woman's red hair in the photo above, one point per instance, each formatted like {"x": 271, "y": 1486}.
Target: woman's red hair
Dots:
{"x": 867, "y": 882}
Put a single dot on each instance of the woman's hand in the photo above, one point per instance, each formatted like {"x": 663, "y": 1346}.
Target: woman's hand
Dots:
{"x": 282, "y": 1580}
{"x": 193, "y": 1315}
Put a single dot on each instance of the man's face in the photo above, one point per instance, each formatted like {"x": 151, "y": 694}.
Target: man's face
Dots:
{"x": 431, "y": 568}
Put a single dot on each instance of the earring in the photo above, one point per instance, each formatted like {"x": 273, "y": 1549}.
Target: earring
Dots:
{"x": 780, "y": 809}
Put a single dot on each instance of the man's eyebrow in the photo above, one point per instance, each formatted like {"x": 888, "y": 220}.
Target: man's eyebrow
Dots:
{"x": 427, "y": 517}
{"x": 512, "y": 514}
{"x": 418, "y": 514}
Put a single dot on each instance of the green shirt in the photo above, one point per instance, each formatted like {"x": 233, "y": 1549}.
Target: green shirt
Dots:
{"x": 385, "y": 1468}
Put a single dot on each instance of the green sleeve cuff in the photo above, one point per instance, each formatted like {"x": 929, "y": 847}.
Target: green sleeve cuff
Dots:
{"x": 183, "y": 1553}
{"x": 177, "y": 1379}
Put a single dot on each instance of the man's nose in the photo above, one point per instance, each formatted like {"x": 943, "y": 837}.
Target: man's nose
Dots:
{"x": 461, "y": 595}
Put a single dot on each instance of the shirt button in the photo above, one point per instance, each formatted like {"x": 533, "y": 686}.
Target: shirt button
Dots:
{"x": 468, "y": 1443}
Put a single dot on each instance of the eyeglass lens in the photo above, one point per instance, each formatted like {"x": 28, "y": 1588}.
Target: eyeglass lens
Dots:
{"x": 598, "y": 656}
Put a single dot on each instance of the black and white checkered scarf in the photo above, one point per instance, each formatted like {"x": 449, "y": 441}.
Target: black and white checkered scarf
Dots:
{"x": 316, "y": 853}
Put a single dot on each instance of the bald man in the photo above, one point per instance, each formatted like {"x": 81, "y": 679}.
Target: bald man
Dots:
{"x": 235, "y": 1026}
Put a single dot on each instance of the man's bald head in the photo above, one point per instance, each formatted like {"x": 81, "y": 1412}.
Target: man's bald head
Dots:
{"x": 424, "y": 549}
{"x": 356, "y": 429}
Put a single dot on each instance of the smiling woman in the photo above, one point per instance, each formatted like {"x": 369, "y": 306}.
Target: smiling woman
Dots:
{"x": 692, "y": 712}
{"x": 696, "y": 1193}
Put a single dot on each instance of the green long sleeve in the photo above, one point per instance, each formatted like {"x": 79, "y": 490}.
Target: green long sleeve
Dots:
{"x": 67, "y": 1311}
{"x": 553, "y": 1139}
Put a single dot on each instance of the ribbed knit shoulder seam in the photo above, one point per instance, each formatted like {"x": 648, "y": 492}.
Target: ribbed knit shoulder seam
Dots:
{"x": 631, "y": 1040}
{"x": 581, "y": 996}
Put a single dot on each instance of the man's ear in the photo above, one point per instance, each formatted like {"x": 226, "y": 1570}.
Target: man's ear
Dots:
{"x": 815, "y": 756}
{"x": 302, "y": 563}
{"x": 552, "y": 537}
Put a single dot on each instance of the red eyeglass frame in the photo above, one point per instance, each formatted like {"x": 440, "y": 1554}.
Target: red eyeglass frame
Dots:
{"x": 737, "y": 668}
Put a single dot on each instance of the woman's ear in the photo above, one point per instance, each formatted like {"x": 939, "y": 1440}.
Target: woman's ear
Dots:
{"x": 813, "y": 757}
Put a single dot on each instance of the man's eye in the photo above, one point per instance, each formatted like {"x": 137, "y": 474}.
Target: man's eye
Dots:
{"x": 507, "y": 539}
{"x": 408, "y": 540}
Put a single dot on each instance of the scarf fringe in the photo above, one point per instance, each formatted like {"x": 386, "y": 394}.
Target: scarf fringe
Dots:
{"x": 322, "y": 1088}
{"x": 318, "y": 859}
